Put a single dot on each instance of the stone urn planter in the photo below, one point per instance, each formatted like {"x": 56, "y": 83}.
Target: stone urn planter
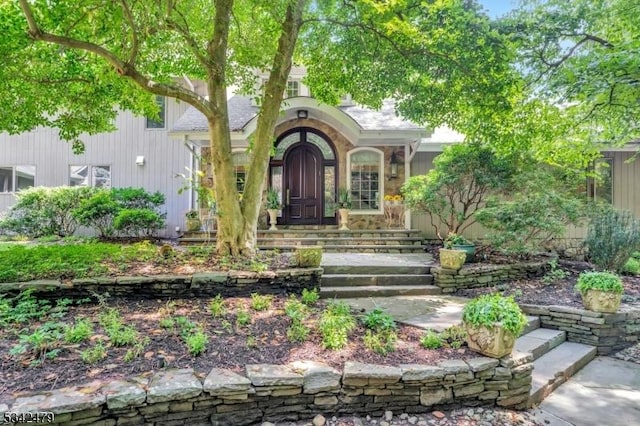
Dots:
{"x": 452, "y": 259}
{"x": 273, "y": 219}
{"x": 469, "y": 249}
{"x": 493, "y": 323}
{"x": 192, "y": 221}
{"x": 600, "y": 291}
{"x": 309, "y": 256}
{"x": 344, "y": 219}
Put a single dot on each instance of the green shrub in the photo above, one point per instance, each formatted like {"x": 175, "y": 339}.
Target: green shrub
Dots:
{"x": 613, "y": 236}
{"x": 98, "y": 212}
{"x": 603, "y": 281}
{"x": 167, "y": 323}
{"x": 196, "y": 342}
{"x": 295, "y": 309}
{"x": 43, "y": 340}
{"x": 82, "y": 330}
{"x": 555, "y": 273}
{"x": 217, "y": 306}
{"x": 381, "y": 342}
{"x": 336, "y": 322}
{"x": 454, "y": 336}
{"x": 137, "y": 198}
{"x": 492, "y": 308}
{"x": 297, "y": 331}
{"x": 310, "y": 297}
{"x": 260, "y": 302}
{"x": 95, "y": 354}
{"x": 243, "y": 318}
{"x": 632, "y": 266}
{"x": 185, "y": 325}
{"x": 23, "y": 308}
{"x": 138, "y": 222}
{"x": 377, "y": 320}
{"x": 431, "y": 340}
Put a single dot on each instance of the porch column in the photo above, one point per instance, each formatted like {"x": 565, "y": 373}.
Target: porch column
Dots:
{"x": 407, "y": 174}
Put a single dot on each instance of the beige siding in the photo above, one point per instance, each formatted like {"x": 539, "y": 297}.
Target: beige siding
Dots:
{"x": 164, "y": 158}
{"x": 626, "y": 193}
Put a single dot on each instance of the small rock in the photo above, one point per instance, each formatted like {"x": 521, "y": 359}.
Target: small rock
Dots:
{"x": 470, "y": 413}
{"x": 357, "y": 421}
{"x": 422, "y": 423}
{"x": 319, "y": 420}
{"x": 413, "y": 420}
{"x": 480, "y": 410}
{"x": 388, "y": 415}
{"x": 368, "y": 418}
{"x": 334, "y": 418}
{"x": 438, "y": 414}
{"x": 404, "y": 416}
{"x": 385, "y": 423}
{"x": 268, "y": 424}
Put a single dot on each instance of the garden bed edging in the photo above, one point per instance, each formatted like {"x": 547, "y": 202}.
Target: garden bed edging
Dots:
{"x": 299, "y": 390}
{"x": 204, "y": 284}
{"x": 483, "y": 275}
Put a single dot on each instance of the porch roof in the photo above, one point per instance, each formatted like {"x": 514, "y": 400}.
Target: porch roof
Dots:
{"x": 355, "y": 121}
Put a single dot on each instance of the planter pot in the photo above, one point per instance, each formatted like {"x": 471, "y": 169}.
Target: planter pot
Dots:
{"x": 469, "y": 249}
{"x": 273, "y": 219}
{"x": 344, "y": 219}
{"x": 309, "y": 256}
{"x": 452, "y": 259}
{"x": 193, "y": 225}
{"x": 494, "y": 342}
{"x": 601, "y": 301}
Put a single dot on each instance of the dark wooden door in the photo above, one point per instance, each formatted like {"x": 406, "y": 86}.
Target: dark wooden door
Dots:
{"x": 303, "y": 186}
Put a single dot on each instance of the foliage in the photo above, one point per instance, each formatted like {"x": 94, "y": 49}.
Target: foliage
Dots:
{"x": 41, "y": 342}
{"x": 192, "y": 214}
{"x": 137, "y": 198}
{"x": 81, "y": 331}
{"x": 431, "y": 340}
{"x": 260, "y": 302}
{"x": 555, "y": 273}
{"x": 539, "y": 209}
{"x": 243, "y": 318}
{"x": 454, "y": 239}
{"x": 488, "y": 309}
{"x": 632, "y": 265}
{"x": 113, "y": 324}
{"x": 98, "y": 212}
{"x": 454, "y": 336}
{"x": 310, "y": 297}
{"x": 461, "y": 180}
{"x": 273, "y": 199}
{"x": 381, "y": 341}
{"x": 92, "y": 355}
{"x": 138, "y": 222}
{"x": 344, "y": 199}
{"x": 603, "y": 281}
{"x": 336, "y": 322}
{"x": 137, "y": 350}
{"x": 217, "y": 306}
{"x": 196, "y": 342}
{"x": 378, "y": 320}
{"x": 43, "y": 211}
{"x": 613, "y": 236}
{"x": 22, "y": 308}
{"x": 298, "y": 332}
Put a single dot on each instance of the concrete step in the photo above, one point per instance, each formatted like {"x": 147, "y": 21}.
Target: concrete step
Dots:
{"x": 338, "y": 241}
{"x": 533, "y": 323}
{"x": 556, "y": 366}
{"x": 355, "y": 248}
{"x": 350, "y": 280}
{"x": 375, "y": 270}
{"x": 540, "y": 341}
{"x": 378, "y": 291}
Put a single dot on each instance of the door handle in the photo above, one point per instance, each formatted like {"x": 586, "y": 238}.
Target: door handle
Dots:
{"x": 288, "y": 197}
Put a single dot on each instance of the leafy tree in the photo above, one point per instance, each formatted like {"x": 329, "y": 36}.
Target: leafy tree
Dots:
{"x": 584, "y": 55}
{"x": 462, "y": 179}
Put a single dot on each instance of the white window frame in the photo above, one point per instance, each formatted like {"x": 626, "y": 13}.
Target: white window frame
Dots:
{"x": 298, "y": 89}
{"x": 163, "y": 117}
{"x": 236, "y": 151}
{"x": 92, "y": 182}
{"x": 381, "y": 179}
{"x": 14, "y": 181}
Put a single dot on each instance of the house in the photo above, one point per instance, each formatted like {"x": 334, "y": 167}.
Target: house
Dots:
{"x": 319, "y": 150}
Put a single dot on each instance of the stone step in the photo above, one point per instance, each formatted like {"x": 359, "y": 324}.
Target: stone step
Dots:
{"x": 355, "y": 248}
{"x": 540, "y": 341}
{"x": 556, "y": 366}
{"x": 532, "y": 324}
{"x": 375, "y": 270}
{"x": 355, "y": 280}
{"x": 320, "y": 241}
{"x": 321, "y": 233}
{"x": 378, "y": 291}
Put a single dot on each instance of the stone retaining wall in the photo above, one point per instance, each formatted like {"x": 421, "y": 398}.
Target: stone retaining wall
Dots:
{"x": 277, "y": 393}
{"x": 608, "y": 332}
{"x": 160, "y": 286}
{"x": 481, "y": 275}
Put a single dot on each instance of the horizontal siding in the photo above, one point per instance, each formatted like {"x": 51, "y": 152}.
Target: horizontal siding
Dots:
{"x": 626, "y": 193}
{"x": 164, "y": 158}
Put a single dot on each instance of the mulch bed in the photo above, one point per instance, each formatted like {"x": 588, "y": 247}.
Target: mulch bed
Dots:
{"x": 226, "y": 348}
{"x": 560, "y": 292}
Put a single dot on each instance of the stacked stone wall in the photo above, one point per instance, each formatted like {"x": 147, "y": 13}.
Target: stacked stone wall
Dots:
{"x": 277, "y": 393}
{"x": 480, "y": 275}
{"x": 608, "y": 332}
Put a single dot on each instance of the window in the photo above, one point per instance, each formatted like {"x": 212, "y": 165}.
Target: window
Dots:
{"x": 98, "y": 176}
{"x": 365, "y": 183}
{"x": 15, "y": 178}
{"x": 600, "y": 185}
{"x": 293, "y": 89}
{"x": 159, "y": 122}
{"x": 240, "y": 165}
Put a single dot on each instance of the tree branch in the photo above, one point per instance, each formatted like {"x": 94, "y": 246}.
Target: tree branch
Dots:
{"x": 569, "y": 54}
{"x": 134, "y": 32}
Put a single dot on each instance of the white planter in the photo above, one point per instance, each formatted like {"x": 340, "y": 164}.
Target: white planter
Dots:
{"x": 344, "y": 219}
{"x": 273, "y": 219}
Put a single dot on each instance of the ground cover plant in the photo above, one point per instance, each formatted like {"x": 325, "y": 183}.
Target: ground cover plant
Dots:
{"x": 44, "y": 345}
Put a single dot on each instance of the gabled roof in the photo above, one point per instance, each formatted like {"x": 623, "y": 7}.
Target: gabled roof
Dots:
{"x": 242, "y": 111}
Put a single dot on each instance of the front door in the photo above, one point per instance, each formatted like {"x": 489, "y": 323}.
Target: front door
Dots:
{"x": 303, "y": 185}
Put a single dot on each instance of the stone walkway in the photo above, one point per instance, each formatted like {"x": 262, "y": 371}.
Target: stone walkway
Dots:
{"x": 376, "y": 259}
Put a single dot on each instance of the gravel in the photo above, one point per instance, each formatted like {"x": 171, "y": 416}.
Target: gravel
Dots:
{"x": 631, "y": 353}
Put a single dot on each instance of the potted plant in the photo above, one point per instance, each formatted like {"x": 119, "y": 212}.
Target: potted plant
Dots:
{"x": 601, "y": 291}
{"x": 493, "y": 323}
{"x": 458, "y": 242}
{"x": 193, "y": 221}
{"x": 273, "y": 207}
{"x": 344, "y": 205}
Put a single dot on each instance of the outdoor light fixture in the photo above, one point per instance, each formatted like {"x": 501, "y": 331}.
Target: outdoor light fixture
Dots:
{"x": 393, "y": 162}
{"x": 303, "y": 113}
{"x": 140, "y": 160}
